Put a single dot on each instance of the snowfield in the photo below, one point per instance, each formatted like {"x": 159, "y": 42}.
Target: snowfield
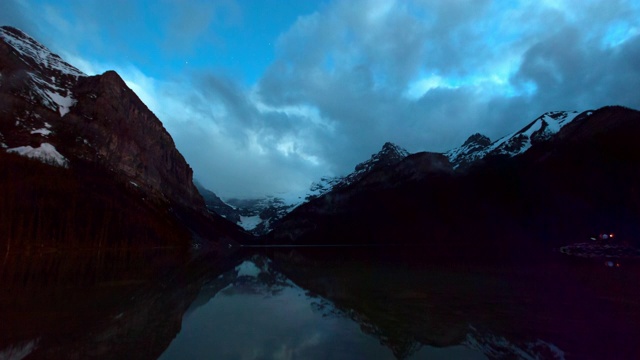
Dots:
{"x": 46, "y": 153}
{"x": 249, "y": 222}
{"x": 64, "y": 102}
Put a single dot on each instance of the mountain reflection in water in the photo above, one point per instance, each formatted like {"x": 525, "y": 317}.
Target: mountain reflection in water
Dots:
{"x": 149, "y": 305}
{"x": 256, "y": 312}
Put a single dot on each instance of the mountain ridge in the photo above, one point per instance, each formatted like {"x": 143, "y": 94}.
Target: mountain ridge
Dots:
{"x": 542, "y": 184}
{"x": 479, "y": 146}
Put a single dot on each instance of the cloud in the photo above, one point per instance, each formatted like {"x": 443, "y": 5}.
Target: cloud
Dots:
{"x": 565, "y": 70}
{"x": 12, "y": 13}
{"x": 427, "y": 74}
{"x": 423, "y": 74}
{"x": 247, "y": 139}
{"x": 189, "y": 22}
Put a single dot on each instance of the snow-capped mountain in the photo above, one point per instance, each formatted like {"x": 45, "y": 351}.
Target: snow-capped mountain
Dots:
{"x": 50, "y": 76}
{"x": 389, "y": 155}
{"x": 38, "y": 76}
{"x": 254, "y": 215}
{"x": 479, "y": 146}
{"x": 258, "y": 215}
{"x": 554, "y": 173}
{"x": 216, "y": 205}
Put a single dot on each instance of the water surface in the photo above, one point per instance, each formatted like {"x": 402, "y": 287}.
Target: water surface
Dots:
{"x": 294, "y": 304}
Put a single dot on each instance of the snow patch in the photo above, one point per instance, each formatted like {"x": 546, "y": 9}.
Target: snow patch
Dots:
{"x": 46, "y": 153}
{"x": 249, "y": 222}
{"x": 43, "y": 132}
{"x": 64, "y": 102}
{"x": 498, "y": 347}
{"x": 323, "y": 186}
{"x": 19, "y": 351}
{"x": 248, "y": 268}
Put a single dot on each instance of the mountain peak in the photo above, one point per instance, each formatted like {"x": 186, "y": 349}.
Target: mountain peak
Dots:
{"x": 393, "y": 150}
{"x": 541, "y": 129}
{"x": 471, "y": 150}
{"x": 388, "y": 155}
{"x": 477, "y": 139}
{"x": 36, "y": 55}
{"x": 17, "y": 32}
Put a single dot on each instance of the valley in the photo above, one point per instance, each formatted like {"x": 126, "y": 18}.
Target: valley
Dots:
{"x": 109, "y": 248}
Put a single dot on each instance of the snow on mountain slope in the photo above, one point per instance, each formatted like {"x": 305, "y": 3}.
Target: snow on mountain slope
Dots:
{"x": 390, "y": 154}
{"x": 32, "y": 51}
{"x": 46, "y": 152}
{"x": 323, "y": 186}
{"x": 479, "y": 146}
{"x": 249, "y": 222}
{"x": 258, "y": 215}
{"x": 59, "y": 115}
{"x": 48, "y": 83}
{"x": 51, "y": 76}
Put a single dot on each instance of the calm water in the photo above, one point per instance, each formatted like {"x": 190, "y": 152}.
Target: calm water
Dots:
{"x": 294, "y": 305}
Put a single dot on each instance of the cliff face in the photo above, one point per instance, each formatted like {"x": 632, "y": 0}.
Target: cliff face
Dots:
{"x": 122, "y": 179}
{"x": 112, "y": 126}
{"x": 98, "y": 119}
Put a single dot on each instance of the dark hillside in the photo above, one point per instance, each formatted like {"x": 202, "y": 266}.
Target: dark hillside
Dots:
{"x": 44, "y": 206}
{"x": 583, "y": 181}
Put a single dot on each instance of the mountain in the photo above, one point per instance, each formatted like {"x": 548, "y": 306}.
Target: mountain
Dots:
{"x": 390, "y": 154}
{"x": 95, "y": 130}
{"x": 562, "y": 178}
{"x": 478, "y": 146}
{"x": 216, "y": 205}
{"x": 258, "y": 215}
{"x": 253, "y": 215}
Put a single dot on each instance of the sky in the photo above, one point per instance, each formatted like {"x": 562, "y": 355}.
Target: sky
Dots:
{"x": 263, "y": 97}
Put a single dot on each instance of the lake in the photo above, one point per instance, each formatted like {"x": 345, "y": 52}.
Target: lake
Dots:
{"x": 309, "y": 304}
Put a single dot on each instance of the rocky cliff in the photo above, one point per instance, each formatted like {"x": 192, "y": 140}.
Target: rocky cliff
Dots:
{"x": 120, "y": 160}
{"x": 92, "y": 118}
{"x": 110, "y": 125}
